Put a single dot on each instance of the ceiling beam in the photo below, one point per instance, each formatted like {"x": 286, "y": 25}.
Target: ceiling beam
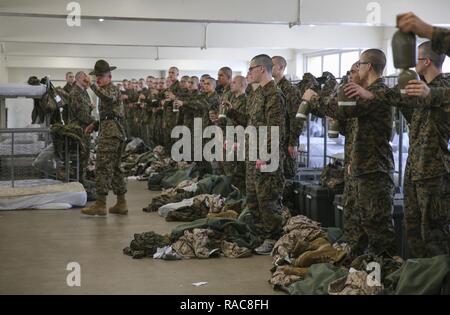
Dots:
{"x": 158, "y": 34}
{"x": 318, "y": 12}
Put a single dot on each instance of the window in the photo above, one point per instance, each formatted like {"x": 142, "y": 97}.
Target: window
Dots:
{"x": 338, "y": 63}
{"x": 314, "y": 66}
{"x": 331, "y": 64}
{"x": 347, "y": 60}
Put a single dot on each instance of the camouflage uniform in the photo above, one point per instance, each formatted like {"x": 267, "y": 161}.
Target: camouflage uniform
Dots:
{"x": 80, "y": 113}
{"x": 224, "y": 93}
{"x": 65, "y": 91}
{"x": 139, "y": 120}
{"x": 158, "y": 119}
{"x": 347, "y": 129}
{"x": 439, "y": 95}
{"x": 427, "y": 174}
{"x": 293, "y": 126}
{"x": 111, "y": 141}
{"x": 68, "y": 88}
{"x": 264, "y": 190}
{"x": 200, "y": 106}
{"x": 187, "y": 114}
{"x": 372, "y": 165}
{"x": 234, "y": 169}
{"x": 147, "y": 112}
{"x": 131, "y": 127}
{"x": 325, "y": 106}
{"x": 169, "y": 116}
{"x": 440, "y": 42}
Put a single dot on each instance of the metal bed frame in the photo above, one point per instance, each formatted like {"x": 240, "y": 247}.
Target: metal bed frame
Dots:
{"x": 67, "y": 155}
{"x": 33, "y": 92}
{"x": 390, "y": 81}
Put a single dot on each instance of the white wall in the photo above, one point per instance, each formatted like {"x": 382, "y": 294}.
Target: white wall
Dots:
{"x": 3, "y": 69}
{"x": 3, "y": 79}
{"x": 19, "y": 112}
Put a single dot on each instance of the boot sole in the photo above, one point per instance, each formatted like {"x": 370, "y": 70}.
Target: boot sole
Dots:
{"x": 93, "y": 215}
{"x": 118, "y": 213}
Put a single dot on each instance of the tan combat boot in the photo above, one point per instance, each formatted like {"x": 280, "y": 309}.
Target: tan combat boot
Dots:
{"x": 324, "y": 254}
{"x": 120, "y": 207}
{"x": 304, "y": 246}
{"x": 98, "y": 208}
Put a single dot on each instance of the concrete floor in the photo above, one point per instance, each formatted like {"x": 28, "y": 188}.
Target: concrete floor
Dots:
{"x": 37, "y": 245}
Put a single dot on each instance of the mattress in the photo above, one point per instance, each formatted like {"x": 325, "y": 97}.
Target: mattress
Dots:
{"x": 41, "y": 194}
{"x": 29, "y": 183}
{"x": 22, "y": 90}
{"x": 335, "y": 148}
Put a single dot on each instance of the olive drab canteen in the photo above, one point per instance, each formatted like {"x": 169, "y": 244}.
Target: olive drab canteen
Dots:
{"x": 404, "y": 49}
{"x": 405, "y": 76}
{"x": 343, "y": 100}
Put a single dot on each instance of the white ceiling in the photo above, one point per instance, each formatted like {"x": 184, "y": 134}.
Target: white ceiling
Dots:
{"x": 151, "y": 34}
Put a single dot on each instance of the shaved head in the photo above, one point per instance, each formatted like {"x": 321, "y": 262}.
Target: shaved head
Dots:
{"x": 376, "y": 58}
{"x": 279, "y": 61}
{"x": 263, "y": 60}
{"x": 426, "y": 51}
{"x": 238, "y": 84}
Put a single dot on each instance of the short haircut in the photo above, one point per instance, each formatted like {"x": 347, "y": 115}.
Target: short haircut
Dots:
{"x": 280, "y": 60}
{"x": 428, "y": 52}
{"x": 377, "y": 59}
{"x": 78, "y": 75}
{"x": 212, "y": 81}
{"x": 205, "y": 76}
{"x": 194, "y": 79}
{"x": 242, "y": 81}
{"x": 174, "y": 68}
{"x": 68, "y": 73}
{"x": 227, "y": 70}
{"x": 150, "y": 77}
{"x": 185, "y": 77}
{"x": 125, "y": 80}
{"x": 263, "y": 60}
{"x": 133, "y": 80}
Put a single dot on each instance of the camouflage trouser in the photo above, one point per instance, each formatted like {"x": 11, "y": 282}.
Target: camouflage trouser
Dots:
{"x": 151, "y": 130}
{"x": 289, "y": 165}
{"x": 84, "y": 158}
{"x": 159, "y": 132}
{"x": 108, "y": 174}
{"x": 427, "y": 206}
{"x": 235, "y": 170}
{"x": 167, "y": 140}
{"x": 371, "y": 220}
{"x": 129, "y": 125}
{"x": 264, "y": 193}
{"x": 351, "y": 222}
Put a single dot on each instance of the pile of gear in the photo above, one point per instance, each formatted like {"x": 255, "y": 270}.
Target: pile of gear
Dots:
{"x": 142, "y": 162}
{"x": 203, "y": 238}
{"x": 309, "y": 259}
{"x": 192, "y": 199}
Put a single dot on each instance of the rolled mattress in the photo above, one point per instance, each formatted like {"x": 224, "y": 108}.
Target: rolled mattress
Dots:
{"x": 56, "y": 196}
